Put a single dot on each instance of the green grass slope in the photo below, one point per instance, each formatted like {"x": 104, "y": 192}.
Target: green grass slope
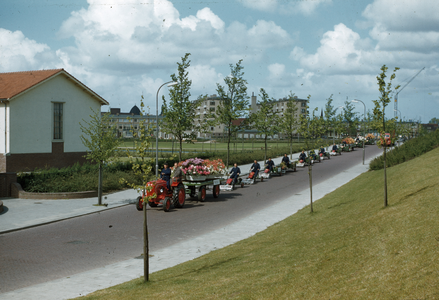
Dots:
{"x": 349, "y": 248}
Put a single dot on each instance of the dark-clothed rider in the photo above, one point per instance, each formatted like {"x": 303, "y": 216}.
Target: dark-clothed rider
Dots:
{"x": 286, "y": 159}
{"x": 234, "y": 172}
{"x": 334, "y": 147}
{"x": 322, "y": 150}
{"x": 255, "y": 168}
{"x": 270, "y": 164}
{"x": 166, "y": 174}
{"x": 313, "y": 155}
{"x": 302, "y": 156}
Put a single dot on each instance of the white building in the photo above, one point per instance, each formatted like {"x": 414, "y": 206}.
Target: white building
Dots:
{"x": 40, "y": 115}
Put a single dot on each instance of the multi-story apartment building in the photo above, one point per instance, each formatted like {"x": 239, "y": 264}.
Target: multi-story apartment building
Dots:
{"x": 210, "y": 106}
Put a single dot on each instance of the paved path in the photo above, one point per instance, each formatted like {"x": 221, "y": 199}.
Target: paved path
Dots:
{"x": 21, "y": 213}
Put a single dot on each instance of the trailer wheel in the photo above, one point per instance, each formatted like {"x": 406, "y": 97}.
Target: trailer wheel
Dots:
{"x": 202, "y": 193}
{"x": 242, "y": 185}
{"x": 139, "y": 203}
{"x": 167, "y": 204}
{"x": 216, "y": 191}
{"x": 262, "y": 179}
{"x": 179, "y": 196}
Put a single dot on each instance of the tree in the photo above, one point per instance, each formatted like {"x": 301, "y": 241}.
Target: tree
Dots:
{"x": 234, "y": 102}
{"x": 179, "y": 111}
{"x": 265, "y": 120}
{"x": 379, "y": 113}
{"x": 99, "y": 137}
{"x": 330, "y": 118}
{"x": 289, "y": 123}
{"x": 351, "y": 118}
{"x": 142, "y": 168}
{"x": 434, "y": 121}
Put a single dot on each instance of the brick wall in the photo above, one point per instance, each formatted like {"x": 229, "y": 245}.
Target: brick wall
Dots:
{"x": 25, "y": 162}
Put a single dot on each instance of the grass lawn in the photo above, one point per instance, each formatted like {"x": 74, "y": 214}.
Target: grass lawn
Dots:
{"x": 351, "y": 247}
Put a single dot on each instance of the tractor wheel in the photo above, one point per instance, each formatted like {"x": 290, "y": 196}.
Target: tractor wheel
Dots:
{"x": 179, "y": 196}
{"x": 167, "y": 204}
{"x": 262, "y": 179}
{"x": 242, "y": 185}
{"x": 202, "y": 193}
{"x": 216, "y": 191}
{"x": 139, "y": 203}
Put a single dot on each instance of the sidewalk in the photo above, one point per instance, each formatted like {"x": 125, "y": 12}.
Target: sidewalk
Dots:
{"x": 90, "y": 281}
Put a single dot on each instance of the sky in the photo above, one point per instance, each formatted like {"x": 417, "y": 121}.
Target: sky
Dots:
{"x": 123, "y": 49}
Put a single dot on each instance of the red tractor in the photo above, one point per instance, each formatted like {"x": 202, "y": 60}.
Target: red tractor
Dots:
{"x": 175, "y": 196}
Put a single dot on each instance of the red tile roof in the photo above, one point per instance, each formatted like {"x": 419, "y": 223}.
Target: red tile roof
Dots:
{"x": 15, "y": 83}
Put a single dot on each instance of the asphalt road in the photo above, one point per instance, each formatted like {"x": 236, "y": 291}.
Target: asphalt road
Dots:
{"x": 61, "y": 249}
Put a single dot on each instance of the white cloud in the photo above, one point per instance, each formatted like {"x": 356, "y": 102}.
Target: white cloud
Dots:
{"x": 285, "y": 7}
{"x": 18, "y": 53}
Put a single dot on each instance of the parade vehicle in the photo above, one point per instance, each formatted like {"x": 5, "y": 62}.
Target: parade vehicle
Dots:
{"x": 347, "y": 148}
{"x": 231, "y": 183}
{"x": 251, "y": 178}
{"x": 336, "y": 152}
{"x": 304, "y": 163}
{"x": 291, "y": 166}
{"x": 324, "y": 155}
{"x": 195, "y": 186}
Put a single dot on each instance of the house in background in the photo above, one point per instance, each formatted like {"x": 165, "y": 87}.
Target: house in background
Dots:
{"x": 40, "y": 115}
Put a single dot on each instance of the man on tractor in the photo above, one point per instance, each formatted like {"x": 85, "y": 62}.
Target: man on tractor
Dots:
{"x": 312, "y": 155}
{"x": 166, "y": 175}
{"x": 255, "y": 168}
{"x": 234, "y": 173}
{"x": 270, "y": 165}
{"x": 177, "y": 174}
{"x": 334, "y": 148}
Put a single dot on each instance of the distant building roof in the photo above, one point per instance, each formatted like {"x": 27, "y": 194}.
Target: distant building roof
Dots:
{"x": 135, "y": 110}
{"x": 13, "y": 84}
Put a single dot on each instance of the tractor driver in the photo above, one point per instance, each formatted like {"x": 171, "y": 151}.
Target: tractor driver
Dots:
{"x": 255, "y": 168}
{"x": 234, "y": 173}
{"x": 178, "y": 174}
{"x": 166, "y": 175}
{"x": 334, "y": 148}
{"x": 322, "y": 150}
{"x": 270, "y": 164}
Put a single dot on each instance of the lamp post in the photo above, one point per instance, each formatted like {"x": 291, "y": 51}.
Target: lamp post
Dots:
{"x": 170, "y": 83}
{"x": 333, "y": 141}
{"x": 364, "y": 119}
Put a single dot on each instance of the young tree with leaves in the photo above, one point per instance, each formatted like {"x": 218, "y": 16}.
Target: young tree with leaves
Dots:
{"x": 385, "y": 89}
{"x": 265, "y": 120}
{"x": 351, "y": 118}
{"x": 330, "y": 118}
{"x": 179, "y": 111}
{"x": 234, "y": 102}
{"x": 289, "y": 122}
{"x": 100, "y": 138}
{"x": 142, "y": 168}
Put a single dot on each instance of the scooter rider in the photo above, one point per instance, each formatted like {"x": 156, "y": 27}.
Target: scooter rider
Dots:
{"x": 313, "y": 155}
{"x": 270, "y": 164}
{"x": 334, "y": 148}
{"x": 234, "y": 173}
{"x": 255, "y": 168}
{"x": 166, "y": 174}
{"x": 286, "y": 159}
{"x": 322, "y": 150}
{"x": 302, "y": 156}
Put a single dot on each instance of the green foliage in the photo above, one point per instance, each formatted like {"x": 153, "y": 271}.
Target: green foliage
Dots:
{"x": 409, "y": 150}
{"x": 234, "y": 102}
{"x": 139, "y": 157}
{"x": 179, "y": 111}
{"x": 434, "y": 121}
{"x": 76, "y": 178}
{"x": 289, "y": 123}
{"x": 265, "y": 120}
{"x": 351, "y": 118}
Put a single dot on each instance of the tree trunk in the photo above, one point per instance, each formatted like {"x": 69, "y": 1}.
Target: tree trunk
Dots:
{"x": 385, "y": 176}
{"x": 310, "y": 184}
{"x": 228, "y": 147}
{"x": 145, "y": 245}
{"x": 100, "y": 184}
{"x": 265, "y": 155}
{"x": 181, "y": 148}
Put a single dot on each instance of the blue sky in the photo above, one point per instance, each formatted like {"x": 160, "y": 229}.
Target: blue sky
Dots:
{"x": 125, "y": 48}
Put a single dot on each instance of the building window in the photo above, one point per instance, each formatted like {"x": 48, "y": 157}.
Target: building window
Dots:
{"x": 57, "y": 121}
{"x": 212, "y": 109}
{"x": 212, "y": 102}
{"x": 303, "y": 110}
{"x": 303, "y": 104}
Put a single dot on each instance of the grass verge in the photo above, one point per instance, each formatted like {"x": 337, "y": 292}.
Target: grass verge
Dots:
{"x": 349, "y": 248}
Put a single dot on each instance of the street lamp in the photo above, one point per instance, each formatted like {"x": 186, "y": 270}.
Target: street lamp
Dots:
{"x": 364, "y": 119}
{"x": 400, "y": 116}
{"x": 170, "y": 83}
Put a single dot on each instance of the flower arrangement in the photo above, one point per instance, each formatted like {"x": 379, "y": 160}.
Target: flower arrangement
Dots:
{"x": 370, "y": 136}
{"x": 202, "y": 167}
{"x": 349, "y": 140}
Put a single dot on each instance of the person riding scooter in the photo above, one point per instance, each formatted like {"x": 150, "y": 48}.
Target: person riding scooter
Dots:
{"x": 322, "y": 151}
{"x": 334, "y": 148}
{"x": 312, "y": 155}
{"x": 234, "y": 172}
{"x": 255, "y": 168}
{"x": 286, "y": 160}
{"x": 302, "y": 156}
{"x": 270, "y": 165}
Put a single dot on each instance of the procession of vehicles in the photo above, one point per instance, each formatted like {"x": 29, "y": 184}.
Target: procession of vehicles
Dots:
{"x": 159, "y": 192}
